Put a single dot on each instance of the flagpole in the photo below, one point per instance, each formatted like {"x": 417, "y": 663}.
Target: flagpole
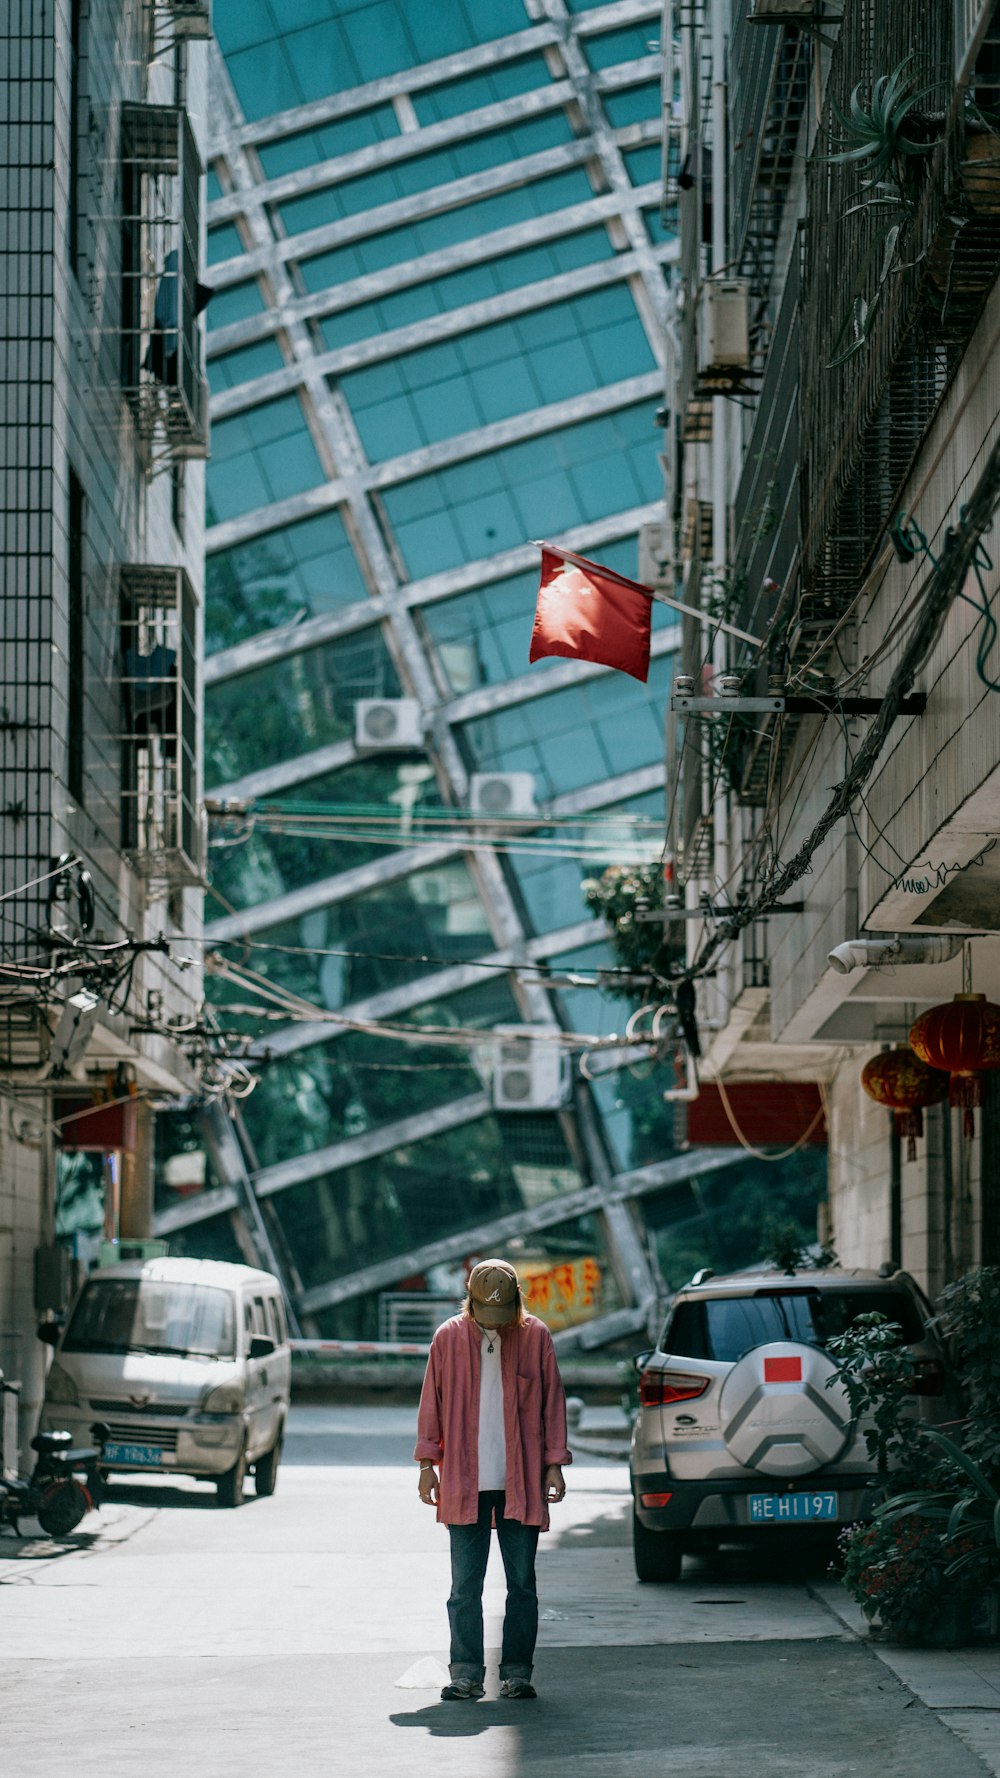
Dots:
{"x": 636, "y": 586}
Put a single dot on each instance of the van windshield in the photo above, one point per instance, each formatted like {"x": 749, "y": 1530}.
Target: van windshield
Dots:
{"x": 150, "y": 1315}
{"x": 725, "y": 1327}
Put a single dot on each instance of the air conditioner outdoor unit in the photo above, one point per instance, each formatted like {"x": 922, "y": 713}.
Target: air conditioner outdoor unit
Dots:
{"x": 722, "y": 335}
{"x": 531, "y": 1073}
{"x": 188, "y": 18}
{"x": 502, "y": 793}
{"x": 656, "y": 554}
{"x": 387, "y": 722}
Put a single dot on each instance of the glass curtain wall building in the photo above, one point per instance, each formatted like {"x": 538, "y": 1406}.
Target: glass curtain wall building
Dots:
{"x": 441, "y": 283}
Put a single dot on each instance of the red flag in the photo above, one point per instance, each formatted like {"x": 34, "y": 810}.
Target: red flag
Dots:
{"x": 590, "y": 613}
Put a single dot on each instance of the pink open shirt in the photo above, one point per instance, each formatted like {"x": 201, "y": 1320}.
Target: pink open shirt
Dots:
{"x": 534, "y": 1411}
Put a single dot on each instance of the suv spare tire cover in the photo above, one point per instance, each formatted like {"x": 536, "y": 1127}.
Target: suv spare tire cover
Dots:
{"x": 777, "y": 1414}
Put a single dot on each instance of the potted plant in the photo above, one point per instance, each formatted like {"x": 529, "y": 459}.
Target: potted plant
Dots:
{"x": 926, "y": 1566}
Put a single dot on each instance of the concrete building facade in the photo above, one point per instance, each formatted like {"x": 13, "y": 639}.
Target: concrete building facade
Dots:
{"x": 103, "y": 428}
{"x": 838, "y": 490}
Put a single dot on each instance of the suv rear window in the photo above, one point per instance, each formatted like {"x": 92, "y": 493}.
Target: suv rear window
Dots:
{"x": 725, "y": 1327}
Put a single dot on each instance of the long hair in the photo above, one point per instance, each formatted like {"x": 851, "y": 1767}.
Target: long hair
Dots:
{"x": 518, "y": 1316}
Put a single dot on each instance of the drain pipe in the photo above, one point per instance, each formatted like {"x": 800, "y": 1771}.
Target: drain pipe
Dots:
{"x": 869, "y": 953}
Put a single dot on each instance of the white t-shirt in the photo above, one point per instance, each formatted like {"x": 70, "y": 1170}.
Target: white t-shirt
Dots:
{"x": 492, "y": 1442}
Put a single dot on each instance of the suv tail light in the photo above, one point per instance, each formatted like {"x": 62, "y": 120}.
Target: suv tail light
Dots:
{"x": 661, "y": 1389}
{"x": 928, "y": 1377}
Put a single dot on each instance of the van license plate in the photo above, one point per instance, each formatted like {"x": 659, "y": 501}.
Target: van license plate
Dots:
{"x": 791, "y": 1509}
{"x": 137, "y": 1456}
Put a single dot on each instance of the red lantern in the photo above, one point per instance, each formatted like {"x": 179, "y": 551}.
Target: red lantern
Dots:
{"x": 963, "y": 1039}
{"x": 899, "y": 1079}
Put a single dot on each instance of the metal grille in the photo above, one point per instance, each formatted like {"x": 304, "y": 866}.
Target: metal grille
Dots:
{"x": 769, "y": 81}
{"x": 159, "y": 738}
{"x": 126, "y": 1432}
{"x": 409, "y": 1316}
{"x": 766, "y": 547}
{"x": 865, "y": 414}
{"x": 29, "y": 493}
{"x": 161, "y": 353}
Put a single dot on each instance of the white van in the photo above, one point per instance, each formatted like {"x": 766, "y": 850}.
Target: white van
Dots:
{"x": 187, "y": 1361}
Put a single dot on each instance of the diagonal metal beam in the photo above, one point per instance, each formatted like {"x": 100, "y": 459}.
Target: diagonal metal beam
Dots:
{"x": 288, "y": 639}
{"x": 562, "y": 1208}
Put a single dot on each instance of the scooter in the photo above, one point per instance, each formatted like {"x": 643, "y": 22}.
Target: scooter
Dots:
{"x": 52, "y": 1493}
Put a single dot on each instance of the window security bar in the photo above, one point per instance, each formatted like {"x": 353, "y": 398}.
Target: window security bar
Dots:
{"x": 161, "y": 344}
{"x": 161, "y": 827}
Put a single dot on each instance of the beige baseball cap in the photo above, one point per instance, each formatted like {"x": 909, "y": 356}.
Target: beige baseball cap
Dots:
{"x": 493, "y": 1292}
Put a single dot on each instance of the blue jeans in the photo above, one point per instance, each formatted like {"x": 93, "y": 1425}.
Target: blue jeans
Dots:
{"x": 470, "y": 1550}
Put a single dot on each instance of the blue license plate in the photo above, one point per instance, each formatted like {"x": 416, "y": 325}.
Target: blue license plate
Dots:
{"x": 791, "y": 1509}
{"x": 136, "y": 1456}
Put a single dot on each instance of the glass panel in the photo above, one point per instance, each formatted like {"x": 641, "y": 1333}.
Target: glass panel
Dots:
{"x": 484, "y": 88}
{"x": 587, "y": 471}
{"x": 328, "y": 1092}
{"x": 644, "y": 165}
{"x": 565, "y": 1273}
{"x": 235, "y": 303}
{"x": 212, "y": 1239}
{"x": 725, "y": 1328}
{"x": 506, "y": 272}
{"x": 578, "y": 736}
{"x": 402, "y": 245}
{"x": 415, "y": 1194}
{"x": 389, "y": 935}
{"x": 260, "y": 456}
{"x": 510, "y": 367}
{"x": 182, "y": 1165}
{"x": 234, "y": 368}
{"x": 293, "y": 705}
{"x": 405, "y": 178}
{"x": 279, "y": 578}
{"x": 622, "y": 46}
{"x": 257, "y": 864}
{"x": 634, "y": 105}
{"x": 223, "y": 243}
{"x": 343, "y": 135}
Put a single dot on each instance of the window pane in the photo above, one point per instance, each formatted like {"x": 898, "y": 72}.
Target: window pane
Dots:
{"x": 293, "y": 705}
{"x": 279, "y": 578}
{"x": 604, "y": 466}
{"x": 416, "y": 1194}
{"x": 328, "y": 1092}
{"x": 261, "y": 456}
{"x": 248, "y": 870}
{"x": 391, "y": 934}
{"x": 234, "y": 368}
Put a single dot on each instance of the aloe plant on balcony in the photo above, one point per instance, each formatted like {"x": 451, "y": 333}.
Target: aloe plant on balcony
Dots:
{"x": 884, "y": 135}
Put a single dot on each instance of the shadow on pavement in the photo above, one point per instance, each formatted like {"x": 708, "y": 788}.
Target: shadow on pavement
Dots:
{"x": 155, "y": 1494}
{"x": 460, "y": 1721}
{"x": 38, "y": 1546}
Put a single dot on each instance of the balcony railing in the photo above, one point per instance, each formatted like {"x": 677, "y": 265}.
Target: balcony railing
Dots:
{"x": 891, "y": 292}
{"x": 769, "y": 68}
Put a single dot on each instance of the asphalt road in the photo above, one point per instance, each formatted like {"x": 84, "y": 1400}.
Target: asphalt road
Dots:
{"x": 307, "y": 1635}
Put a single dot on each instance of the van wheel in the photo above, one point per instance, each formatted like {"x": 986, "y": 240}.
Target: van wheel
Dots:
{"x": 265, "y": 1470}
{"x": 658, "y": 1554}
{"x": 229, "y": 1487}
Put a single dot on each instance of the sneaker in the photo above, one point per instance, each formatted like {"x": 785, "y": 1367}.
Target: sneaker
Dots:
{"x": 517, "y": 1688}
{"x": 461, "y": 1688}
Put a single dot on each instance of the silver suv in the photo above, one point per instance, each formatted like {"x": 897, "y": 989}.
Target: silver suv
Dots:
{"x": 738, "y": 1435}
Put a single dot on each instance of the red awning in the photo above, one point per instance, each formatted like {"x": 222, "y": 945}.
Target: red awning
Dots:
{"x": 768, "y": 1113}
{"x": 95, "y": 1129}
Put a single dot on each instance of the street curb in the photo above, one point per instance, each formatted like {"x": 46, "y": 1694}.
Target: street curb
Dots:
{"x": 594, "y": 1446}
